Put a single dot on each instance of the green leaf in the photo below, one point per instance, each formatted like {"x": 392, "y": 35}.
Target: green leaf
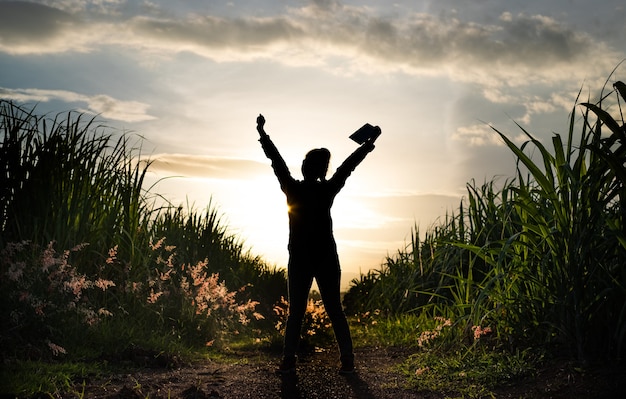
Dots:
{"x": 543, "y": 179}
{"x": 621, "y": 88}
{"x": 607, "y": 120}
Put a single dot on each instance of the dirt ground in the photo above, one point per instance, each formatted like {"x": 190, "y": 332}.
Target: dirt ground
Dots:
{"x": 250, "y": 374}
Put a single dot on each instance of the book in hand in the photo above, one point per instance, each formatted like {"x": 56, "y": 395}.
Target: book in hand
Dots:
{"x": 366, "y": 132}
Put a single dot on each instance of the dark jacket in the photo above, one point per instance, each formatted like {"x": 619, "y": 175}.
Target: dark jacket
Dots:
{"x": 309, "y": 202}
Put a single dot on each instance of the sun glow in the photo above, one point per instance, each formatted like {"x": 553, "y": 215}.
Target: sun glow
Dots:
{"x": 261, "y": 218}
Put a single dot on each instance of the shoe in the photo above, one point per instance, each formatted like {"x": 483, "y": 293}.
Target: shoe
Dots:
{"x": 347, "y": 365}
{"x": 346, "y": 369}
{"x": 287, "y": 366}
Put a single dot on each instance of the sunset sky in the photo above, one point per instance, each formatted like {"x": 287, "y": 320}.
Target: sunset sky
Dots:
{"x": 191, "y": 76}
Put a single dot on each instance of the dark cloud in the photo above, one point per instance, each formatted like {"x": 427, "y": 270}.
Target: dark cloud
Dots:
{"x": 510, "y": 50}
{"x": 515, "y": 42}
{"x": 217, "y": 32}
{"x": 535, "y": 46}
{"x": 541, "y": 40}
{"x": 24, "y": 22}
{"x": 326, "y": 4}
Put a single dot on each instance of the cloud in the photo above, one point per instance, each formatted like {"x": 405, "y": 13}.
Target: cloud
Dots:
{"x": 27, "y": 21}
{"x": 514, "y": 50}
{"x": 209, "y": 167}
{"x": 109, "y": 107}
{"x": 30, "y": 28}
{"x": 100, "y": 104}
{"x": 478, "y": 134}
{"x": 212, "y": 32}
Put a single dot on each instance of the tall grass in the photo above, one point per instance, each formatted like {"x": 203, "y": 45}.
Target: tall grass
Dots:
{"x": 88, "y": 248}
{"x": 63, "y": 181}
{"x": 540, "y": 258}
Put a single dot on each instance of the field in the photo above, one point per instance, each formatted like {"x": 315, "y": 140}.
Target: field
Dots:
{"x": 109, "y": 290}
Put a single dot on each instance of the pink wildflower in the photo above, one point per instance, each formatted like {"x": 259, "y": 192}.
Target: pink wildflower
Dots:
{"x": 426, "y": 336}
{"x": 80, "y": 247}
{"x": 112, "y": 255}
{"x": 184, "y": 284}
{"x": 48, "y": 258}
{"x": 90, "y": 317}
{"x": 479, "y": 331}
{"x": 158, "y": 244}
{"x": 14, "y": 247}
{"x": 16, "y": 271}
{"x": 165, "y": 276}
{"x": 153, "y": 297}
{"x": 76, "y": 285}
{"x": 170, "y": 260}
{"x": 104, "y": 284}
{"x": 104, "y": 312}
{"x": 243, "y": 319}
{"x": 443, "y": 321}
{"x": 56, "y": 349}
{"x": 429, "y": 335}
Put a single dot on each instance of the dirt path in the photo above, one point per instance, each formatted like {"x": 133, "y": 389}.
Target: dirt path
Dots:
{"x": 251, "y": 375}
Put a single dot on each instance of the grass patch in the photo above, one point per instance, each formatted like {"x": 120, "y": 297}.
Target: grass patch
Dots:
{"x": 467, "y": 373}
{"x": 374, "y": 329}
{"x": 448, "y": 357}
{"x": 28, "y": 378}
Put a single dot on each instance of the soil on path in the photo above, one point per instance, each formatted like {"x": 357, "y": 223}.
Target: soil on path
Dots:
{"x": 250, "y": 374}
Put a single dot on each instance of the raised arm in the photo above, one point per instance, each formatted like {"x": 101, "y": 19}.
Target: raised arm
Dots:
{"x": 348, "y": 166}
{"x": 278, "y": 163}
{"x": 260, "y": 125}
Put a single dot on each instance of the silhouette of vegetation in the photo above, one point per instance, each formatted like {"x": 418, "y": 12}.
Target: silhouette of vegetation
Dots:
{"x": 88, "y": 250}
{"x": 539, "y": 259}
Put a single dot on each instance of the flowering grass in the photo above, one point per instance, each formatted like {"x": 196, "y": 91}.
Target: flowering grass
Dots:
{"x": 46, "y": 297}
{"x": 58, "y": 313}
{"x": 316, "y": 326}
{"x": 94, "y": 264}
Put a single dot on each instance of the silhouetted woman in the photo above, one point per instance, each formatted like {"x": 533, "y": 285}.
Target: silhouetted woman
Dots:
{"x": 312, "y": 247}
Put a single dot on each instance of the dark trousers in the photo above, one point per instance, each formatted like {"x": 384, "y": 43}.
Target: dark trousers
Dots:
{"x": 327, "y": 273}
